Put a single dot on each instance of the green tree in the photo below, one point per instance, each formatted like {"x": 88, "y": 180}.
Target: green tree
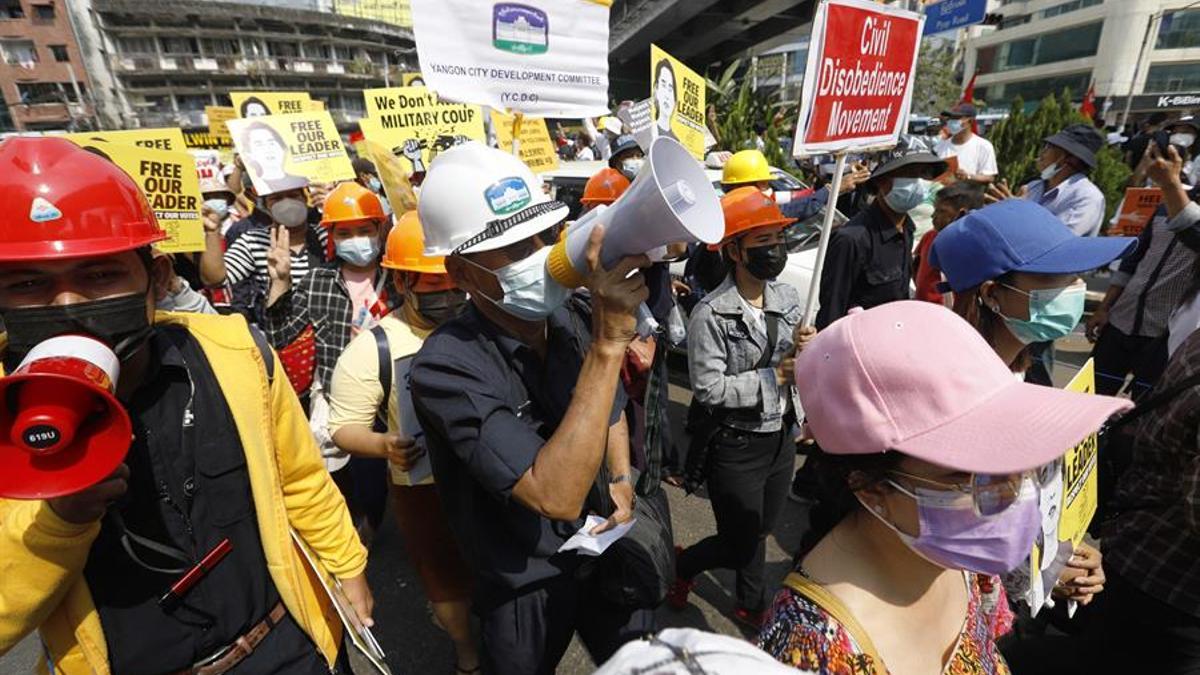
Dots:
{"x": 1018, "y": 139}
{"x": 935, "y": 88}
{"x": 739, "y": 108}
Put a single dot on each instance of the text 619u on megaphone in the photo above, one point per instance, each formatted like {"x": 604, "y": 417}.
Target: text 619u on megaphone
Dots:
{"x": 61, "y": 427}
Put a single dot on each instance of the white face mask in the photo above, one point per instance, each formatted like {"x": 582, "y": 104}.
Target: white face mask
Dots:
{"x": 529, "y": 292}
{"x": 1050, "y": 171}
{"x": 631, "y": 167}
{"x": 1184, "y": 140}
{"x": 358, "y": 251}
{"x": 954, "y": 126}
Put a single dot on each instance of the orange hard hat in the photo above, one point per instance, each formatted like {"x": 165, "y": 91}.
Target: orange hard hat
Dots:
{"x": 351, "y": 202}
{"x": 747, "y": 208}
{"x": 605, "y": 187}
{"x": 406, "y": 248}
{"x": 61, "y": 201}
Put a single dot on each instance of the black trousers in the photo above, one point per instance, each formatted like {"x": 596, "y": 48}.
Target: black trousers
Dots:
{"x": 748, "y": 480}
{"x": 1142, "y": 634}
{"x": 1118, "y": 354}
{"x": 528, "y": 634}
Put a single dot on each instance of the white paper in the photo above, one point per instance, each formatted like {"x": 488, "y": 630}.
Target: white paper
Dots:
{"x": 409, "y": 427}
{"x": 595, "y": 544}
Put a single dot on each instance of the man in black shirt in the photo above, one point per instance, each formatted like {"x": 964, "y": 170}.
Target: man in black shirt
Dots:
{"x": 870, "y": 257}
{"x": 521, "y": 410}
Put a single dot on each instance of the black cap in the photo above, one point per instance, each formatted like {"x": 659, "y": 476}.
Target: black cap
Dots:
{"x": 907, "y": 152}
{"x": 961, "y": 110}
{"x": 1081, "y": 140}
{"x": 363, "y": 165}
{"x": 623, "y": 143}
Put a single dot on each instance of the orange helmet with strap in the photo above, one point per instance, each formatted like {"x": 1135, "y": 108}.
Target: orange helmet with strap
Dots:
{"x": 351, "y": 202}
{"x": 61, "y": 201}
{"x": 605, "y": 187}
{"x": 406, "y": 248}
{"x": 746, "y": 209}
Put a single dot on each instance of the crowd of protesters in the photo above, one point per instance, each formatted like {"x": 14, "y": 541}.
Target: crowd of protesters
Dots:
{"x": 426, "y": 360}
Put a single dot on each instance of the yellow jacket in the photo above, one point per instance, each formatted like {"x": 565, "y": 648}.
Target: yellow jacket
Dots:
{"x": 42, "y": 556}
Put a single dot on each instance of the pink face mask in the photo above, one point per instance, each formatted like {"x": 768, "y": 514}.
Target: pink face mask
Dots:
{"x": 953, "y": 535}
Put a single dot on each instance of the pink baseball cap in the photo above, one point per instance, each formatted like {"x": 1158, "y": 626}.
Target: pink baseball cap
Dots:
{"x": 916, "y": 378}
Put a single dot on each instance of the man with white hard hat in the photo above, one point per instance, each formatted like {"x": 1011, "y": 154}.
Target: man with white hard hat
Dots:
{"x": 521, "y": 410}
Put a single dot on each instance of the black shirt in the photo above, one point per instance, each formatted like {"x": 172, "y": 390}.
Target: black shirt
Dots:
{"x": 487, "y": 404}
{"x": 188, "y": 489}
{"x": 869, "y": 263}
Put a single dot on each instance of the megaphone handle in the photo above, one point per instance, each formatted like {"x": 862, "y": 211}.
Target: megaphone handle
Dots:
{"x": 647, "y": 325}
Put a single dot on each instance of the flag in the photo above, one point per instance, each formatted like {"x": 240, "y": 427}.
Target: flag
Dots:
{"x": 969, "y": 93}
{"x": 1088, "y": 107}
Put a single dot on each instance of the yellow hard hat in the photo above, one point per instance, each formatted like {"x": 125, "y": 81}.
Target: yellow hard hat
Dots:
{"x": 747, "y": 166}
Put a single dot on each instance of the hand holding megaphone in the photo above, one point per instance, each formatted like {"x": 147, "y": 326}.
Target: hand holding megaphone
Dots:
{"x": 90, "y": 504}
{"x": 617, "y": 292}
{"x": 670, "y": 201}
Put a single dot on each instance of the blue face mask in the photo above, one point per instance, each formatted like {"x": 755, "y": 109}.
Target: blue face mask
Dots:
{"x": 358, "y": 251}
{"x": 374, "y": 184}
{"x": 219, "y": 205}
{"x": 906, "y": 194}
{"x": 1053, "y": 313}
{"x": 954, "y": 126}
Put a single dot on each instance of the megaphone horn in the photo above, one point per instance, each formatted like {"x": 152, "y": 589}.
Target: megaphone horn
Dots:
{"x": 61, "y": 427}
{"x": 670, "y": 201}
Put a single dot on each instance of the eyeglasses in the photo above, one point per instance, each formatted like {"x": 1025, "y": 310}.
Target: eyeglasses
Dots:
{"x": 990, "y": 494}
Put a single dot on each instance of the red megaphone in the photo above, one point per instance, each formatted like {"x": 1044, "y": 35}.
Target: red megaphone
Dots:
{"x": 61, "y": 427}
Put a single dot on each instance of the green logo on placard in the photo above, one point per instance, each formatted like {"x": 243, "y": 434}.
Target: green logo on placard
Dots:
{"x": 520, "y": 29}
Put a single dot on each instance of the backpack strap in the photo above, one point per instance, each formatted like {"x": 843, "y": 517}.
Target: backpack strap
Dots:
{"x": 264, "y": 348}
{"x": 818, "y": 595}
{"x": 385, "y": 374}
{"x": 1155, "y": 401}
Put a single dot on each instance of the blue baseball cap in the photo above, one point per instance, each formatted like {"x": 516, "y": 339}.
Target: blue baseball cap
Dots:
{"x": 1017, "y": 235}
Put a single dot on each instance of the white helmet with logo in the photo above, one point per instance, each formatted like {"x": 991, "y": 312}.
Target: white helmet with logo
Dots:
{"x": 476, "y": 198}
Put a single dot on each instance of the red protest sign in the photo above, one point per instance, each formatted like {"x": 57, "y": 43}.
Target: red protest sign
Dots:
{"x": 859, "y": 82}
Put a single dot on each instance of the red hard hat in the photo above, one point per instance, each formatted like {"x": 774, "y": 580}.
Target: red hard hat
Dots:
{"x": 61, "y": 201}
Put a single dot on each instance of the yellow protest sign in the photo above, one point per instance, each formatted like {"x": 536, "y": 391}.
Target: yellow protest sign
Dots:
{"x": 217, "y": 116}
{"x": 261, "y": 103}
{"x": 315, "y": 106}
{"x": 169, "y": 181}
{"x": 201, "y": 139}
{"x": 1067, "y": 501}
{"x": 393, "y": 175}
{"x": 281, "y": 151}
{"x": 412, "y": 123}
{"x": 537, "y": 148}
{"x": 412, "y": 80}
{"x": 677, "y": 97}
{"x": 165, "y": 138}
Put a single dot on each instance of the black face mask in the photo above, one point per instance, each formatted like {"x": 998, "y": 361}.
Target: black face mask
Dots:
{"x": 766, "y": 262}
{"x": 441, "y": 306}
{"x": 119, "y": 322}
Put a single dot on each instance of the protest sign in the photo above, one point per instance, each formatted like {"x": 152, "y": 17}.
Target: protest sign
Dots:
{"x": 1068, "y": 497}
{"x": 201, "y": 139}
{"x": 537, "y": 149}
{"x": 280, "y": 151}
{"x": 217, "y": 116}
{"x": 411, "y": 122}
{"x": 412, "y": 79}
{"x": 677, "y": 95}
{"x": 392, "y": 174}
{"x": 861, "y": 64}
{"x": 640, "y": 120}
{"x": 262, "y": 103}
{"x": 165, "y": 138}
{"x": 314, "y": 106}
{"x": 1137, "y": 208}
{"x": 169, "y": 181}
{"x": 208, "y": 170}
{"x": 547, "y": 58}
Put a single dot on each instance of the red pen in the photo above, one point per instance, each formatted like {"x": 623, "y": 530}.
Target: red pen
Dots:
{"x": 171, "y": 599}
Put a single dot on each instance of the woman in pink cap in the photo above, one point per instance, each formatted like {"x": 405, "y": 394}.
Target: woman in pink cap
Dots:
{"x": 929, "y": 449}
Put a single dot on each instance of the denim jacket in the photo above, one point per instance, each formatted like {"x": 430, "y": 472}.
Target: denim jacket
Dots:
{"x": 724, "y": 345}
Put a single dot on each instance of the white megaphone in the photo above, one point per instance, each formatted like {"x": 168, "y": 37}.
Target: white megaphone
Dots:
{"x": 61, "y": 427}
{"x": 670, "y": 201}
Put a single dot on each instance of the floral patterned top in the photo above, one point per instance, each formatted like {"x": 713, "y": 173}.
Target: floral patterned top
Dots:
{"x": 803, "y": 634}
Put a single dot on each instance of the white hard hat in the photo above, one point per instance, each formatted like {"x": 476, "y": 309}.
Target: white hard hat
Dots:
{"x": 475, "y": 198}
{"x": 684, "y": 651}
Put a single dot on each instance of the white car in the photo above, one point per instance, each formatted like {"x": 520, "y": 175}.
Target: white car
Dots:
{"x": 567, "y": 183}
